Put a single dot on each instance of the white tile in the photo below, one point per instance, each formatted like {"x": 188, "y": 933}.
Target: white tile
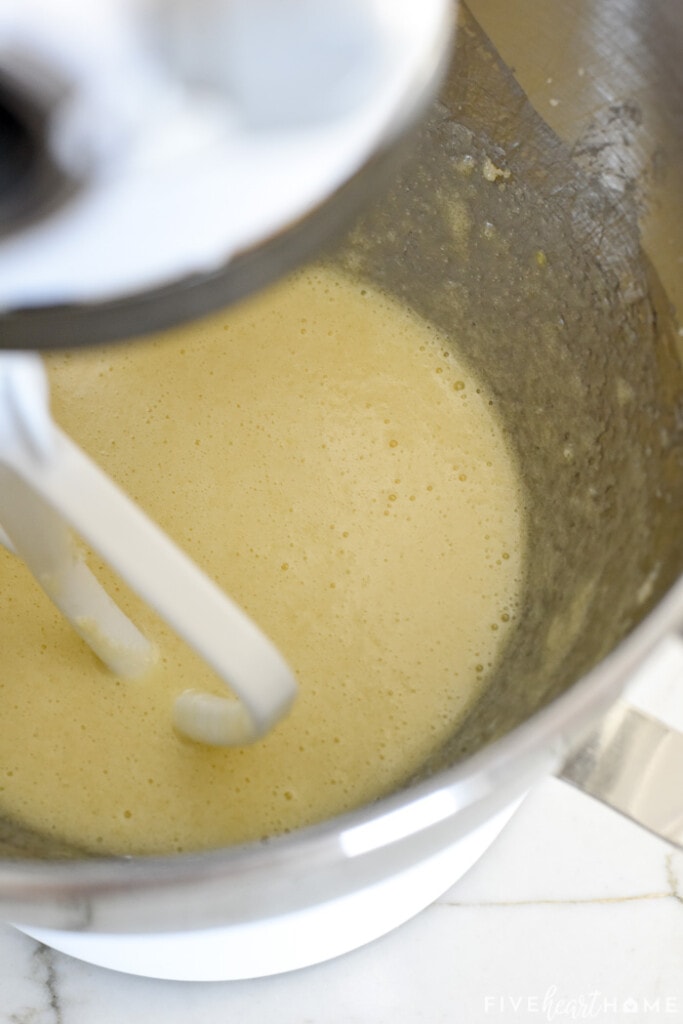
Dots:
{"x": 29, "y": 981}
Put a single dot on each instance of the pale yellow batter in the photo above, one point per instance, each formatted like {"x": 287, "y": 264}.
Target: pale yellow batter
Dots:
{"x": 322, "y": 453}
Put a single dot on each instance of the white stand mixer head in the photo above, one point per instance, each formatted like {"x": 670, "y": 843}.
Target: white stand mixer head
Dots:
{"x": 195, "y": 131}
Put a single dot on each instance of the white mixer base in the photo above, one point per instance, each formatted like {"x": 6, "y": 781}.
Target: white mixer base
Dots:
{"x": 285, "y": 943}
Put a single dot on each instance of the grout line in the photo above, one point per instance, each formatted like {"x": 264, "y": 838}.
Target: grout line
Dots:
{"x": 637, "y": 897}
{"x": 672, "y": 877}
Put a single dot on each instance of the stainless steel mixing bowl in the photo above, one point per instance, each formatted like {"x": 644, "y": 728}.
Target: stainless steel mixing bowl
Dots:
{"x": 540, "y": 224}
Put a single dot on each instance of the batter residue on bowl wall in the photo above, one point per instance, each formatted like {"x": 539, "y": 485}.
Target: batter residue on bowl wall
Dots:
{"x": 324, "y": 455}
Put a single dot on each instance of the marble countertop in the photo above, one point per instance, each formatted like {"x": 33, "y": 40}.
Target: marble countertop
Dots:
{"x": 574, "y": 914}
